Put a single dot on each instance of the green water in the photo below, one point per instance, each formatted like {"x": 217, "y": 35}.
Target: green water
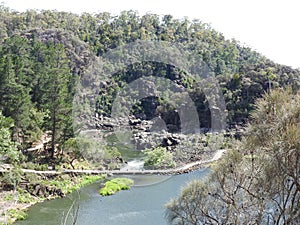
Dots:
{"x": 142, "y": 204}
{"x": 127, "y": 150}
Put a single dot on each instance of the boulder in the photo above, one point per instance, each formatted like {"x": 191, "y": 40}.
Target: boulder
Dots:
{"x": 134, "y": 122}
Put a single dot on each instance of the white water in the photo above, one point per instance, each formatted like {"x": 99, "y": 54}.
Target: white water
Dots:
{"x": 133, "y": 165}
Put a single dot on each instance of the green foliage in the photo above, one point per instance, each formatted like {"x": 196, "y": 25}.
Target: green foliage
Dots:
{"x": 159, "y": 158}
{"x": 53, "y": 91}
{"x": 84, "y": 147}
{"x": 112, "y": 154}
{"x": 71, "y": 148}
{"x": 115, "y": 185}
{"x": 15, "y": 87}
{"x": 43, "y": 56}
{"x": 24, "y": 197}
{"x": 8, "y": 149}
{"x": 17, "y": 214}
{"x": 68, "y": 185}
{"x": 258, "y": 180}
{"x": 39, "y": 67}
{"x": 12, "y": 177}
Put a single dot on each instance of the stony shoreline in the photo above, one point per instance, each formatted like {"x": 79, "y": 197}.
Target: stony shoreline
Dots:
{"x": 10, "y": 200}
{"x": 190, "y": 151}
{"x": 6, "y": 205}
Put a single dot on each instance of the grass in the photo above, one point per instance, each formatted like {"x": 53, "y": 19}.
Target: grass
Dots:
{"x": 13, "y": 215}
{"x": 69, "y": 184}
{"x": 18, "y": 214}
{"x": 22, "y": 197}
{"x": 66, "y": 183}
{"x": 115, "y": 185}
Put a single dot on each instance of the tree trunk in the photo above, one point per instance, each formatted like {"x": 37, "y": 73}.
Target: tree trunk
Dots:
{"x": 53, "y": 135}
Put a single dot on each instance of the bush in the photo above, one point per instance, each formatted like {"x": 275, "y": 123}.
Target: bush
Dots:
{"x": 159, "y": 158}
{"x": 116, "y": 185}
{"x": 68, "y": 184}
{"x": 256, "y": 182}
{"x": 18, "y": 214}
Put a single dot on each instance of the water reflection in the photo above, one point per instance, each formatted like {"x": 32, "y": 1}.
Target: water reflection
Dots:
{"x": 143, "y": 204}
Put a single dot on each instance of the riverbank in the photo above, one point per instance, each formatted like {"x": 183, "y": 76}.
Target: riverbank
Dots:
{"x": 71, "y": 180}
{"x": 178, "y": 170}
{"x": 14, "y": 204}
{"x": 146, "y": 199}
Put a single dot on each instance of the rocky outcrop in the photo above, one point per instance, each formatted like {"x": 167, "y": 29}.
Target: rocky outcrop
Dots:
{"x": 149, "y": 134}
{"x": 40, "y": 190}
{"x": 77, "y": 51}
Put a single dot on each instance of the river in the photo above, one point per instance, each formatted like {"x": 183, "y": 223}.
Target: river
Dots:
{"x": 142, "y": 204}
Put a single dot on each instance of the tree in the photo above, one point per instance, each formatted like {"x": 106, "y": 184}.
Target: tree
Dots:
{"x": 159, "y": 158}
{"x": 72, "y": 148}
{"x": 8, "y": 149}
{"x": 256, "y": 183}
{"x": 54, "y": 98}
{"x": 15, "y": 99}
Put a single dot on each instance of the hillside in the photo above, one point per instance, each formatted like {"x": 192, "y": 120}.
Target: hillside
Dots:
{"x": 170, "y": 86}
{"x": 44, "y": 55}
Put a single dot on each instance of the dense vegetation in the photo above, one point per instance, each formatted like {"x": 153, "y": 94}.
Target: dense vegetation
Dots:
{"x": 258, "y": 181}
{"x": 44, "y": 60}
{"x": 159, "y": 158}
{"x": 40, "y": 189}
{"x": 44, "y": 53}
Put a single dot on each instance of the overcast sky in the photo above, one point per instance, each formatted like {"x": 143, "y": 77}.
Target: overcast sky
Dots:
{"x": 270, "y": 27}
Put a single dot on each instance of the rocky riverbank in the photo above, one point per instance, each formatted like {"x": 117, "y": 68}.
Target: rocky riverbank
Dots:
{"x": 190, "y": 151}
{"x": 185, "y": 147}
{"x": 14, "y": 203}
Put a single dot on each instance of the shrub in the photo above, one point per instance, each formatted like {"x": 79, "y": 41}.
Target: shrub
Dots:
{"x": 159, "y": 158}
{"x": 18, "y": 214}
{"x": 116, "y": 185}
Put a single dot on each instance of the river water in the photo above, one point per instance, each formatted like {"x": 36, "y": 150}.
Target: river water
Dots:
{"x": 143, "y": 204}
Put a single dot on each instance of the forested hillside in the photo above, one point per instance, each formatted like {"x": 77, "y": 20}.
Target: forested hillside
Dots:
{"x": 46, "y": 58}
{"x": 44, "y": 53}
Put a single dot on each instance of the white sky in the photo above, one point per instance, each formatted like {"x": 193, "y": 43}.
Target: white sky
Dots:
{"x": 270, "y": 27}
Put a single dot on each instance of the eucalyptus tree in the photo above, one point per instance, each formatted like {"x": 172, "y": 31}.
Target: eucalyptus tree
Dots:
{"x": 259, "y": 181}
